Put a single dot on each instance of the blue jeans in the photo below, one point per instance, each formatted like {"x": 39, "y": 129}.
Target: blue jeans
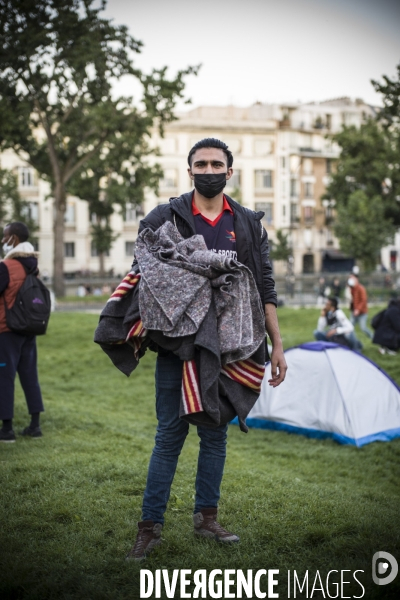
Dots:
{"x": 169, "y": 440}
{"x": 354, "y": 343}
{"x": 362, "y": 321}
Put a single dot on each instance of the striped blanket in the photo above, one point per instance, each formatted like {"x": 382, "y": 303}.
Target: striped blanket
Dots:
{"x": 239, "y": 382}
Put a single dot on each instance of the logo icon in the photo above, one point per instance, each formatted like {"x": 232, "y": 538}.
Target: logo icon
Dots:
{"x": 385, "y": 564}
{"x": 37, "y": 301}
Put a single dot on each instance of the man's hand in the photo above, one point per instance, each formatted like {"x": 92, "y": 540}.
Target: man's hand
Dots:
{"x": 331, "y": 332}
{"x": 278, "y": 367}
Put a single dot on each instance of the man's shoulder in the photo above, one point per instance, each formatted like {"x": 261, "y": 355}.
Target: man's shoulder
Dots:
{"x": 248, "y": 212}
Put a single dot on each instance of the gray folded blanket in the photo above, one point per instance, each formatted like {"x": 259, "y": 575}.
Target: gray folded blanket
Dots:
{"x": 178, "y": 279}
{"x": 199, "y": 305}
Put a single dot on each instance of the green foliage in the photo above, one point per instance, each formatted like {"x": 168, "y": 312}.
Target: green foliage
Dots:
{"x": 12, "y": 206}
{"x": 362, "y": 228}
{"x": 69, "y": 501}
{"x": 111, "y": 180}
{"x": 368, "y": 173}
{"x": 58, "y": 62}
{"x": 390, "y": 90}
{"x": 281, "y": 249}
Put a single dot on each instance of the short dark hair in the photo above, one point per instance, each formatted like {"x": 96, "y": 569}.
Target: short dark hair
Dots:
{"x": 19, "y": 229}
{"x": 334, "y": 301}
{"x": 211, "y": 143}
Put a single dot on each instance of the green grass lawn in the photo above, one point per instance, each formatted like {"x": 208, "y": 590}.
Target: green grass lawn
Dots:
{"x": 70, "y": 501}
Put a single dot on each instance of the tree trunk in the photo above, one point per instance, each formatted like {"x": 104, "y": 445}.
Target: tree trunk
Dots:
{"x": 101, "y": 264}
{"x": 58, "y": 231}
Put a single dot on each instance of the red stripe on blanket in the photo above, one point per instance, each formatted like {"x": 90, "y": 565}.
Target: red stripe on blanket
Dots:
{"x": 247, "y": 372}
{"x": 128, "y": 282}
{"x": 190, "y": 388}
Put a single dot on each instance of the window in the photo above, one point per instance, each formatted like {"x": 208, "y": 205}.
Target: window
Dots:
{"x": 293, "y": 213}
{"x": 308, "y": 214}
{"x": 170, "y": 179}
{"x": 308, "y": 263}
{"x": 284, "y": 210}
{"x": 133, "y": 212}
{"x": 328, "y": 121}
{"x": 129, "y": 248}
{"x": 267, "y": 208}
{"x": 308, "y": 190}
{"x": 235, "y": 180}
{"x": 293, "y": 188}
{"x": 31, "y": 211}
{"x": 94, "y": 252}
{"x": 263, "y": 179}
{"x": 283, "y": 162}
{"x": 69, "y": 217}
{"x": 307, "y": 166}
{"x": 328, "y": 165}
{"x": 69, "y": 249}
{"x": 26, "y": 177}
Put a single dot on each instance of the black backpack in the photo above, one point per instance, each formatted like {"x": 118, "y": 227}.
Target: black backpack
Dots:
{"x": 30, "y": 313}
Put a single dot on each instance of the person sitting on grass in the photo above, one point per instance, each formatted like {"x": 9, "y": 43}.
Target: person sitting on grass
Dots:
{"x": 334, "y": 326}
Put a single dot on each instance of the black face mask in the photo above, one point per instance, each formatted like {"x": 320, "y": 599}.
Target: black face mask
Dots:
{"x": 210, "y": 185}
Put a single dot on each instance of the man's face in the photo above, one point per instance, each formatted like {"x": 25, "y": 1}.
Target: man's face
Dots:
{"x": 209, "y": 160}
{"x": 329, "y": 307}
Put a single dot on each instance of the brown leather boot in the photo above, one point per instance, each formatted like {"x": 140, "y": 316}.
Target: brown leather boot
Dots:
{"x": 148, "y": 537}
{"x": 205, "y": 524}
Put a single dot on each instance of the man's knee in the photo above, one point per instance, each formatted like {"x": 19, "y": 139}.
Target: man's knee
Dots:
{"x": 169, "y": 441}
{"x": 213, "y": 439}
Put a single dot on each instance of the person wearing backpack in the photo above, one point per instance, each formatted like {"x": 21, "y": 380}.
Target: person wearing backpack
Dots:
{"x": 17, "y": 351}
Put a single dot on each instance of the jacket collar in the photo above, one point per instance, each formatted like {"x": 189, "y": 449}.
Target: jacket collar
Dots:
{"x": 183, "y": 207}
{"x": 22, "y": 250}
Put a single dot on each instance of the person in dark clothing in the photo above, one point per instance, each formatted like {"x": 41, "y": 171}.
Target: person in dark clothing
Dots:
{"x": 237, "y": 232}
{"x": 336, "y": 287}
{"x": 387, "y": 333}
{"x": 17, "y": 352}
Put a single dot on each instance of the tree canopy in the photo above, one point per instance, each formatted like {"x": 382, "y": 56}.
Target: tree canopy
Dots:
{"x": 12, "y": 206}
{"x": 59, "y": 60}
{"x": 366, "y": 183}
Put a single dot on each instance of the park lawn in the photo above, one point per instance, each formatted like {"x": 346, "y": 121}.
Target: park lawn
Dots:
{"x": 70, "y": 501}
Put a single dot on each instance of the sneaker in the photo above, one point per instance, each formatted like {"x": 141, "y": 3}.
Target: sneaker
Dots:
{"x": 148, "y": 537}
{"x": 7, "y": 436}
{"x": 390, "y": 352}
{"x": 34, "y": 432}
{"x": 205, "y": 525}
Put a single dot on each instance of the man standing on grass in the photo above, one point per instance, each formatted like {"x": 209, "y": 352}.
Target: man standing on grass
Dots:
{"x": 359, "y": 304}
{"x": 233, "y": 231}
{"x": 17, "y": 352}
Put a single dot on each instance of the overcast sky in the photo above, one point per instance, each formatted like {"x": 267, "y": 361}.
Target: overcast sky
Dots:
{"x": 267, "y": 50}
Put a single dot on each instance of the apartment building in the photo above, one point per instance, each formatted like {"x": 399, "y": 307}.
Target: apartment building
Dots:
{"x": 283, "y": 158}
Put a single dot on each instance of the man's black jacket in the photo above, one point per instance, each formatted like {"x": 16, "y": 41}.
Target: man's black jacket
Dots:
{"x": 251, "y": 238}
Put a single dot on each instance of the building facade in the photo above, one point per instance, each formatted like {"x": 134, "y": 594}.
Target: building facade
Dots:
{"x": 283, "y": 159}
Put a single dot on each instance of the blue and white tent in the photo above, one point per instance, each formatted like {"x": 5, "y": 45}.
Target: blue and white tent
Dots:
{"x": 330, "y": 391}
